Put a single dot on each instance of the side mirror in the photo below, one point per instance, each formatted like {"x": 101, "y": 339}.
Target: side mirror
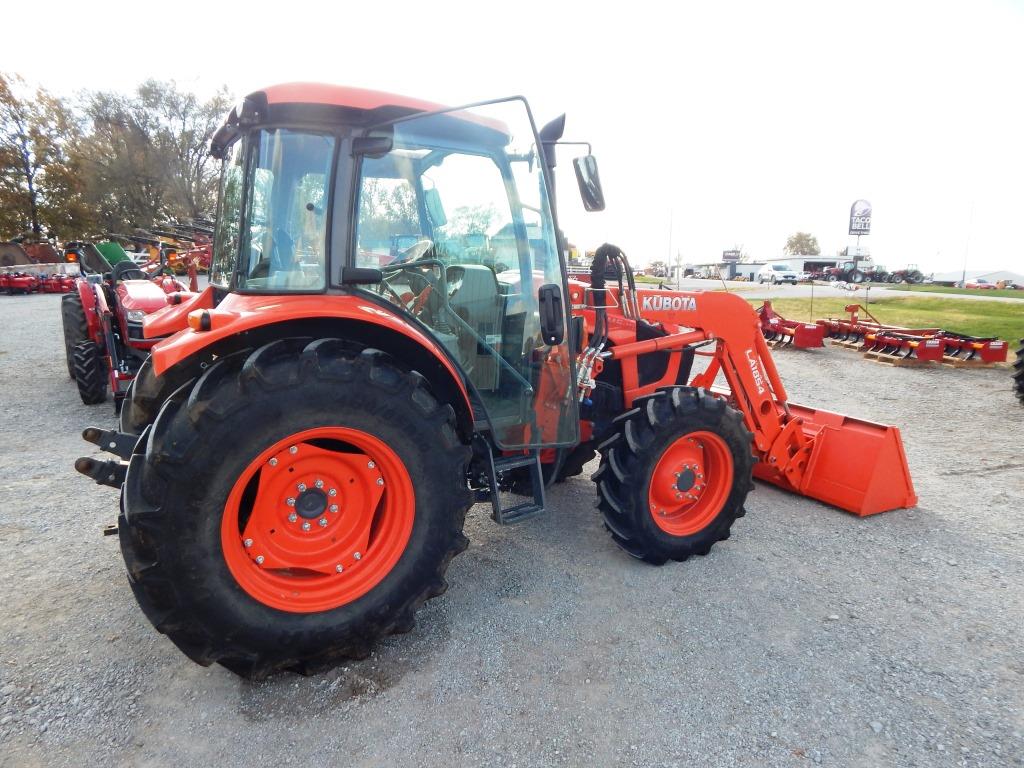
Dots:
{"x": 589, "y": 182}
{"x": 372, "y": 146}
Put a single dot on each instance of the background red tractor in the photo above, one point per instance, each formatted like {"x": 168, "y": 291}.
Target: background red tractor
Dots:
{"x": 102, "y": 322}
{"x": 327, "y": 411}
{"x": 909, "y": 274}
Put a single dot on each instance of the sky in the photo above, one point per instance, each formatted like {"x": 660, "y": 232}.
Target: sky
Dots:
{"x": 715, "y": 124}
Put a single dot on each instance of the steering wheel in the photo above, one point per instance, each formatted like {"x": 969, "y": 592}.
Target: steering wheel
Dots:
{"x": 406, "y": 262}
{"x": 415, "y": 252}
{"x": 127, "y": 270}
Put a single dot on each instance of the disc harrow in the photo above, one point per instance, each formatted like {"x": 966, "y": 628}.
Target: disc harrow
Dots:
{"x": 909, "y": 346}
{"x": 778, "y": 331}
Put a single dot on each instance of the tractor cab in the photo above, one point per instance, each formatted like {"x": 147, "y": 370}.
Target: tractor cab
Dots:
{"x": 442, "y": 217}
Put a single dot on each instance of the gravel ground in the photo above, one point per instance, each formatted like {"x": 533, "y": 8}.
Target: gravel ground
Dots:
{"x": 810, "y": 637}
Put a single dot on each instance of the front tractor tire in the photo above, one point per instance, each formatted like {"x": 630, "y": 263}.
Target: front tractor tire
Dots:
{"x": 74, "y": 325}
{"x": 90, "y": 372}
{"x": 292, "y": 506}
{"x": 674, "y": 475}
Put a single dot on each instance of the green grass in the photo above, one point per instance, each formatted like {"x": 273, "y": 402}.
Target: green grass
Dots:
{"x": 1008, "y": 293}
{"x": 974, "y": 318}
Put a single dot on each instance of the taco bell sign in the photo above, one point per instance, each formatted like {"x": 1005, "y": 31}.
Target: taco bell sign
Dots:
{"x": 860, "y": 218}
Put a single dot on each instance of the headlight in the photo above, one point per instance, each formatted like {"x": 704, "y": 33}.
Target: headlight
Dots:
{"x": 135, "y": 315}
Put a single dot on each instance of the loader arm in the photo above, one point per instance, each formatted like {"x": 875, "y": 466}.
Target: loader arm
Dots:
{"x": 743, "y": 359}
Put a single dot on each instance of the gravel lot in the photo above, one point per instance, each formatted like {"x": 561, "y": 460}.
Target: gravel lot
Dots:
{"x": 810, "y": 637}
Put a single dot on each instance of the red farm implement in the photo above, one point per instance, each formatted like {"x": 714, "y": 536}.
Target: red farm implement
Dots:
{"x": 909, "y": 346}
{"x": 779, "y": 331}
{"x": 56, "y": 283}
{"x": 18, "y": 282}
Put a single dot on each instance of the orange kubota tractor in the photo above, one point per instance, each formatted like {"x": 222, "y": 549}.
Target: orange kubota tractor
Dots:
{"x": 297, "y": 460}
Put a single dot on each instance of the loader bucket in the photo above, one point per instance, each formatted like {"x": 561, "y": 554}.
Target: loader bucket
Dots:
{"x": 856, "y": 465}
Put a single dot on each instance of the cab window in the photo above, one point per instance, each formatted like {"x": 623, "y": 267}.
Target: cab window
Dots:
{"x": 284, "y": 243}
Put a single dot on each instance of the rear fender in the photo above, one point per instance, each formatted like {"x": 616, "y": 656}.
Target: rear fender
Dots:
{"x": 87, "y": 293}
{"x": 240, "y": 322}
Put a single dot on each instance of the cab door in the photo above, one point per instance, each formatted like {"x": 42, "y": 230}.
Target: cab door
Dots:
{"x": 484, "y": 273}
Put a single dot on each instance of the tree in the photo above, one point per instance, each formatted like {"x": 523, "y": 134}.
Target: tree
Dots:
{"x": 387, "y": 207}
{"x": 803, "y": 244}
{"x": 471, "y": 220}
{"x": 181, "y": 128}
{"x": 147, "y": 156}
{"x": 35, "y": 170}
{"x": 658, "y": 268}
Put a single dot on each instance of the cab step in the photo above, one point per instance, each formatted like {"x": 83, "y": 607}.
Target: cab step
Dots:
{"x": 496, "y": 467}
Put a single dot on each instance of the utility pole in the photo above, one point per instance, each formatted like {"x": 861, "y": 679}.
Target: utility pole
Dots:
{"x": 669, "y": 254}
{"x": 967, "y": 245}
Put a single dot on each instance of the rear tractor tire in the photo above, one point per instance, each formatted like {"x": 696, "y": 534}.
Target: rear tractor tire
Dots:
{"x": 75, "y": 327}
{"x": 674, "y": 475}
{"x": 90, "y": 372}
{"x": 293, "y": 505}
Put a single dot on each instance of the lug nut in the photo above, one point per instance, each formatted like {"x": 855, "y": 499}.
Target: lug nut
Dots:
{"x": 273, "y": 462}
{"x": 293, "y": 449}
{"x": 323, "y": 522}
{"x": 319, "y": 483}
{"x": 291, "y": 501}
{"x": 334, "y": 507}
{"x": 301, "y": 486}
{"x": 259, "y": 559}
{"x": 247, "y": 542}
{"x": 339, "y": 567}
{"x": 292, "y": 517}
{"x": 371, "y": 465}
{"x": 332, "y": 492}
{"x": 306, "y": 526}
{"x": 357, "y": 556}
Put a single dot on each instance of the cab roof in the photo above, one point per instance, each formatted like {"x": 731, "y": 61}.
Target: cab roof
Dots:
{"x": 323, "y": 103}
{"x": 342, "y": 96}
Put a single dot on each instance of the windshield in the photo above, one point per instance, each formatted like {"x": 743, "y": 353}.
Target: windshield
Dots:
{"x": 280, "y": 236}
{"x": 457, "y": 217}
{"x": 782, "y": 268}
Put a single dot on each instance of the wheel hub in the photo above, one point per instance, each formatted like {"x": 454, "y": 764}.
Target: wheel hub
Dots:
{"x": 685, "y": 478}
{"x": 690, "y": 482}
{"x": 311, "y": 503}
{"x": 284, "y": 536}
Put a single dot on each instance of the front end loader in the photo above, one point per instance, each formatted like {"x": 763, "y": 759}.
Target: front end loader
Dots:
{"x": 389, "y": 335}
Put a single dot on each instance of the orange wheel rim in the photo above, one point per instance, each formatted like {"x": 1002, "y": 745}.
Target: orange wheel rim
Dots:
{"x": 690, "y": 483}
{"x": 318, "y": 519}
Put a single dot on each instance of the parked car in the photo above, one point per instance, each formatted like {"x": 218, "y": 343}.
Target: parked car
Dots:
{"x": 777, "y": 273}
{"x": 804, "y": 277}
{"x": 980, "y": 283}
